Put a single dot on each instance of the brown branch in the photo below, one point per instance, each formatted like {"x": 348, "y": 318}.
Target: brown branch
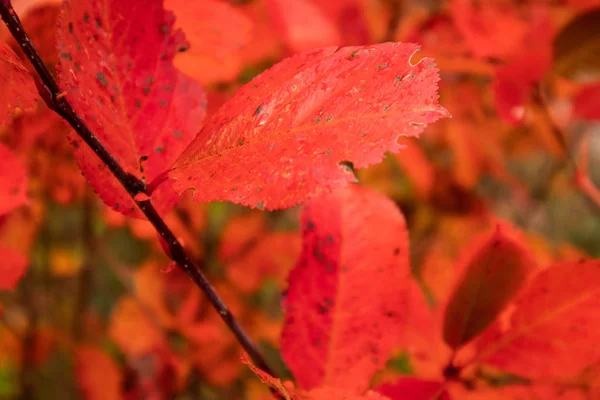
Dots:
{"x": 55, "y": 99}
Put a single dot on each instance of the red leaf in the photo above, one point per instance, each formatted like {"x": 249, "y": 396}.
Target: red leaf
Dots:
{"x": 515, "y": 80}
{"x": 12, "y": 268}
{"x": 302, "y": 25}
{"x": 346, "y": 302}
{"x": 18, "y": 87}
{"x": 217, "y": 32}
{"x": 553, "y": 332}
{"x": 493, "y": 276}
{"x": 586, "y": 103}
{"x": 116, "y": 65}
{"x": 490, "y": 29}
{"x": 281, "y": 138}
{"x": 414, "y": 389}
{"x": 13, "y": 181}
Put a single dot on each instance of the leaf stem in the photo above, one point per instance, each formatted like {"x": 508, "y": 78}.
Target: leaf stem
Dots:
{"x": 57, "y": 101}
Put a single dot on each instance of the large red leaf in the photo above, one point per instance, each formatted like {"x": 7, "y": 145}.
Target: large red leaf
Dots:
{"x": 12, "y": 268}
{"x": 217, "y": 32}
{"x": 281, "y": 138}
{"x": 494, "y": 274}
{"x": 116, "y": 66}
{"x": 408, "y": 388}
{"x": 553, "y": 333}
{"x": 13, "y": 181}
{"x": 347, "y": 298}
{"x": 18, "y": 88}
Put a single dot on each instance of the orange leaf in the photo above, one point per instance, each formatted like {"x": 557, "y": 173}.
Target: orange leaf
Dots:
{"x": 553, "y": 332}
{"x": 132, "y": 329}
{"x": 149, "y": 285}
{"x": 346, "y": 303}
{"x": 493, "y": 276}
{"x": 272, "y": 257}
{"x": 98, "y": 376}
{"x": 217, "y": 33}
{"x": 264, "y": 377}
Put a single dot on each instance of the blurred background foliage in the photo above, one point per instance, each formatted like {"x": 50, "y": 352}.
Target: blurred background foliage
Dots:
{"x": 101, "y": 313}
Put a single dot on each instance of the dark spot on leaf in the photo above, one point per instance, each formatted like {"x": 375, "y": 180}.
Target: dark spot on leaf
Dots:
{"x": 330, "y": 238}
{"x": 329, "y": 118}
{"x": 385, "y": 108}
{"x": 396, "y": 251}
{"x": 86, "y": 17}
{"x": 317, "y": 120}
{"x": 259, "y": 109}
{"x": 177, "y": 134}
{"x": 321, "y": 309}
{"x": 70, "y": 27}
{"x": 310, "y": 225}
{"x": 102, "y": 79}
{"x": 318, "y": 254}
{"x": 138, "y": 104}
{"x": 182, "y": 48}
{"x": 66, "y": 56}
{"x": 354, "y": 55}
{"x": 363, "y": 133}
{"x": 162, "y": 103}
{"x": 77, "y": 67}
{"x": 143, "y": 158}
{"x": 164, "y": 29}
{"x": 381, "y": 66}
{"x": 98, "y": 23}
{"x": 159, "y": 149}
{"x": 260, "y": 205}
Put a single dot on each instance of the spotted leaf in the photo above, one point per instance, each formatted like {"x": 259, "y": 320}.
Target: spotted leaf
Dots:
{"x": 347, "y": 299}
{"x": 283, "y": 137}
{"x": 116, "y": 68}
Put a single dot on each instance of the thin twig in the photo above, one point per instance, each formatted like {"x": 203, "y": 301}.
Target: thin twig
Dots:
{"x": 52, "y": 95}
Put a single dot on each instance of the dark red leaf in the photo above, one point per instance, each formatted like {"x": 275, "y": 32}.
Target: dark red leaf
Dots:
{"x": 494, "y": 274}
{"x": 414, "y": 389}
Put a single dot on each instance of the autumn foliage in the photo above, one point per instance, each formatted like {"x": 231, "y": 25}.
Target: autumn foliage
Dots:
{"x": 395, "y": 199}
